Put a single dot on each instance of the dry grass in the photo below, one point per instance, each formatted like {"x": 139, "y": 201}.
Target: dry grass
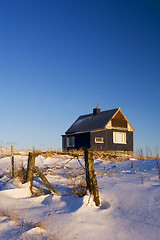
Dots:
{"x": 158, "y": 167}
{"x": 113, "y": 156}
{"x": 79, "y": 185}
{"x": 20, "y": 174}
{"x": 148, "y": 153}
{"x": 24, "y": 225}
{"x": 15, "y": 216}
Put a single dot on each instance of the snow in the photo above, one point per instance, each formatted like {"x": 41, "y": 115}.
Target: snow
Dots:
{"x": 130, "y": 201}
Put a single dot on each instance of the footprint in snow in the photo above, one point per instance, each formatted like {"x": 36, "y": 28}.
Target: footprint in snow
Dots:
{"x": 105, "y": 205}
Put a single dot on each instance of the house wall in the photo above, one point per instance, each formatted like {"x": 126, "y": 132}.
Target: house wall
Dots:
{"x": 98, "y": 146}
{"x": 87, "y": 140}
{"x": 82, "y": 140}
{"x": 64, "y": 142}
{"x": 108, "y": 144}
{"x": 119, "y": 147}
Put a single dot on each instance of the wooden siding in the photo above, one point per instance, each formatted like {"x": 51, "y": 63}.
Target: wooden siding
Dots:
{"x": 87, "y": 140}
{"x": 108, "y": 144}
{"x": 98, "y": 146}
{"x": 82, "y": 140}
{"x": 64, "y": 142}
{"x": 119, "y": 121}
{"x": 119, "y": 147}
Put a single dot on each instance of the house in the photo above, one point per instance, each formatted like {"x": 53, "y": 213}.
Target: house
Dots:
{"x": 102, "y": 130}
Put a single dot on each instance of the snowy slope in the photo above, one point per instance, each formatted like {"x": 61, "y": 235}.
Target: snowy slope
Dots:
{"x": 130, "y": 201}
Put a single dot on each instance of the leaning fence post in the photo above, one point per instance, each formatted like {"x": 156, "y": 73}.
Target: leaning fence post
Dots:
{"x": 30, "y": 168}
{"x": 90, "y": 176}
{"x": 44, "y": 179}
{"x": 12, "y": 160}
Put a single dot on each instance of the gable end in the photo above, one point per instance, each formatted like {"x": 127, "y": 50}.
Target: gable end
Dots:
{"x": 119, "y": 121}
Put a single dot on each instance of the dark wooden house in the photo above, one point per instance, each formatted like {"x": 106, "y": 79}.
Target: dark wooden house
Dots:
{"x": 103, "y": 131}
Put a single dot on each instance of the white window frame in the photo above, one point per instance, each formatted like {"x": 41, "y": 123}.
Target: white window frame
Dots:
{"x": 99, "y": 140}
{"x": 119, "y": 138}
{"x": 71, "y": 141}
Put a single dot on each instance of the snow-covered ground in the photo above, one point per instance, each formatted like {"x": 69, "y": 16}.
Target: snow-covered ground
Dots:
{"x": 130, "y": 201}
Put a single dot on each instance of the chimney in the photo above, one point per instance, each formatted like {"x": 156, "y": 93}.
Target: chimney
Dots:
{"x": 96, "y": 110}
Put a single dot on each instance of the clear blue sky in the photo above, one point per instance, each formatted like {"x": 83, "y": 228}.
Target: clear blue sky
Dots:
{"x": 57, "y": 56}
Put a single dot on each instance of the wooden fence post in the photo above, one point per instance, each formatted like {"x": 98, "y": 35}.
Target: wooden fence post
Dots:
{"x": 44, "y": 179}
{"x": 90, "y": 176}
{"x": 12, "y": 160}
{"x": 132, "y": 164}
{"x": 30, "y": 168}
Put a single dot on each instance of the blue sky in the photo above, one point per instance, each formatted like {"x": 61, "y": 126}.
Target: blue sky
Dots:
{"x": 57, "y": 56}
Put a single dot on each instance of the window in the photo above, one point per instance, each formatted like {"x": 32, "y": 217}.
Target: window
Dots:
{"x": 99, "y": 140}
{"x": 119, "y": 137}
{"x": 71, "y": 141}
